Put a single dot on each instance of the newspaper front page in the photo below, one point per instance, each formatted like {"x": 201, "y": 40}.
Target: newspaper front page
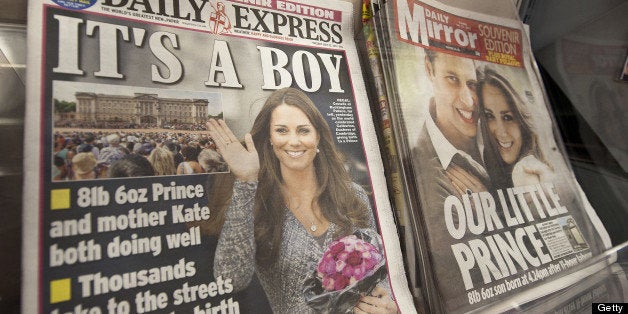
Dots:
{"x": 499, "y": 210}
{"x": 131, "y": 206}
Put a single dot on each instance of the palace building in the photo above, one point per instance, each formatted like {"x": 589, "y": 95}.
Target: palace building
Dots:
{"x": 139, "y": 109}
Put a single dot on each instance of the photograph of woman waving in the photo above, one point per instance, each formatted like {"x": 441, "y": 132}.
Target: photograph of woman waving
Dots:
{"x": 292, "y": 197}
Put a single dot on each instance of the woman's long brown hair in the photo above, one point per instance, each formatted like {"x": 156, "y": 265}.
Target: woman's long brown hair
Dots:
{"x": 336, "y": 196}
{"x": 500, "y": 172}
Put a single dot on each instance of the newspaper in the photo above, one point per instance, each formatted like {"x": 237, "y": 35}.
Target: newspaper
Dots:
{"x": 499, "y": 212}
{"x": 389, "y": 154}
{"x": 111, "y": 79}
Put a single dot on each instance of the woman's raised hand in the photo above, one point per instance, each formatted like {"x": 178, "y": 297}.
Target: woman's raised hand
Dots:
{"x": 242, "y": 160}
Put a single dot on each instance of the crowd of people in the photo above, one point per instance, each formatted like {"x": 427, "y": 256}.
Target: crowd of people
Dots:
{"x": 92, "y": 155}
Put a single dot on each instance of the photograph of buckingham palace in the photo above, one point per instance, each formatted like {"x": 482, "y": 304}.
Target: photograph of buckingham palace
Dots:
{"x": 147, "y": 110}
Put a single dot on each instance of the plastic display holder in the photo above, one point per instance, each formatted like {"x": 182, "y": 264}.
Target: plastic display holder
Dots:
{"x": 599, "y": 282}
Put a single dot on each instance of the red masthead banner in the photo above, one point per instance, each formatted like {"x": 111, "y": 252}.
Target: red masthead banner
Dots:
{"x": 425, "y": 26}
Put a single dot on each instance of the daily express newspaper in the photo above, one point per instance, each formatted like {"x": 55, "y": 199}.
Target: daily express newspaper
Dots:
{"x": 118, "y": 89}
{"x": 499, "y": 211}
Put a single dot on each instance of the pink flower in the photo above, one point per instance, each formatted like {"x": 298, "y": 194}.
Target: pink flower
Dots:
{"x": 347, "y": 261}
{"x": 342, "y": 256}
{"x": 361, "y": 246}
{"x": 354, "y": 258}
{"x": 340, "y": 282}
{"x": 340, "y": 264}
{"x": 328, "y": 283}
{"x": 359, "y": 272}
{"x": 327, "y": 266}
{"x": 350, "y": 244}
{"x": 369, "y": 263}
{"x": 348, "y": 271}
{"x": 336, "y": 248}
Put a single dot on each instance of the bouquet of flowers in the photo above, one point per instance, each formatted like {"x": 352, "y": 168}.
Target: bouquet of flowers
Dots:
{"x": 350, "y": 268}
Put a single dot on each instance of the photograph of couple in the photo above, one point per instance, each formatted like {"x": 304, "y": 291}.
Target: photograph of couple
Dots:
{"x": 478, "y": 130}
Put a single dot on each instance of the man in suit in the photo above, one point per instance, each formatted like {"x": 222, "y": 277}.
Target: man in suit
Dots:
{"x": 448, "y": 140}
{"x": 447, "y": 160}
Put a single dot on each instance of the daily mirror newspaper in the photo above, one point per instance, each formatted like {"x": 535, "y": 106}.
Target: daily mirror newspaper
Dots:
{"x": 498, "y": 209}
{"x": 202, "y": 157}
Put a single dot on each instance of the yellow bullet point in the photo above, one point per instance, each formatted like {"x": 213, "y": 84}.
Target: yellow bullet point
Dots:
{"x": 60, "y": 290}
{"x": 60, "y": 199}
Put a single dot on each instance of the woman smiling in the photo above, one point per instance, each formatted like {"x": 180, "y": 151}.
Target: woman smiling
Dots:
{"x": 512, "y": 152}
{"x": 292, "y": 197}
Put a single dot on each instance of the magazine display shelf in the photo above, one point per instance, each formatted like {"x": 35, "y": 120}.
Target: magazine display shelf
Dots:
{"x": 608, "y": 283}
